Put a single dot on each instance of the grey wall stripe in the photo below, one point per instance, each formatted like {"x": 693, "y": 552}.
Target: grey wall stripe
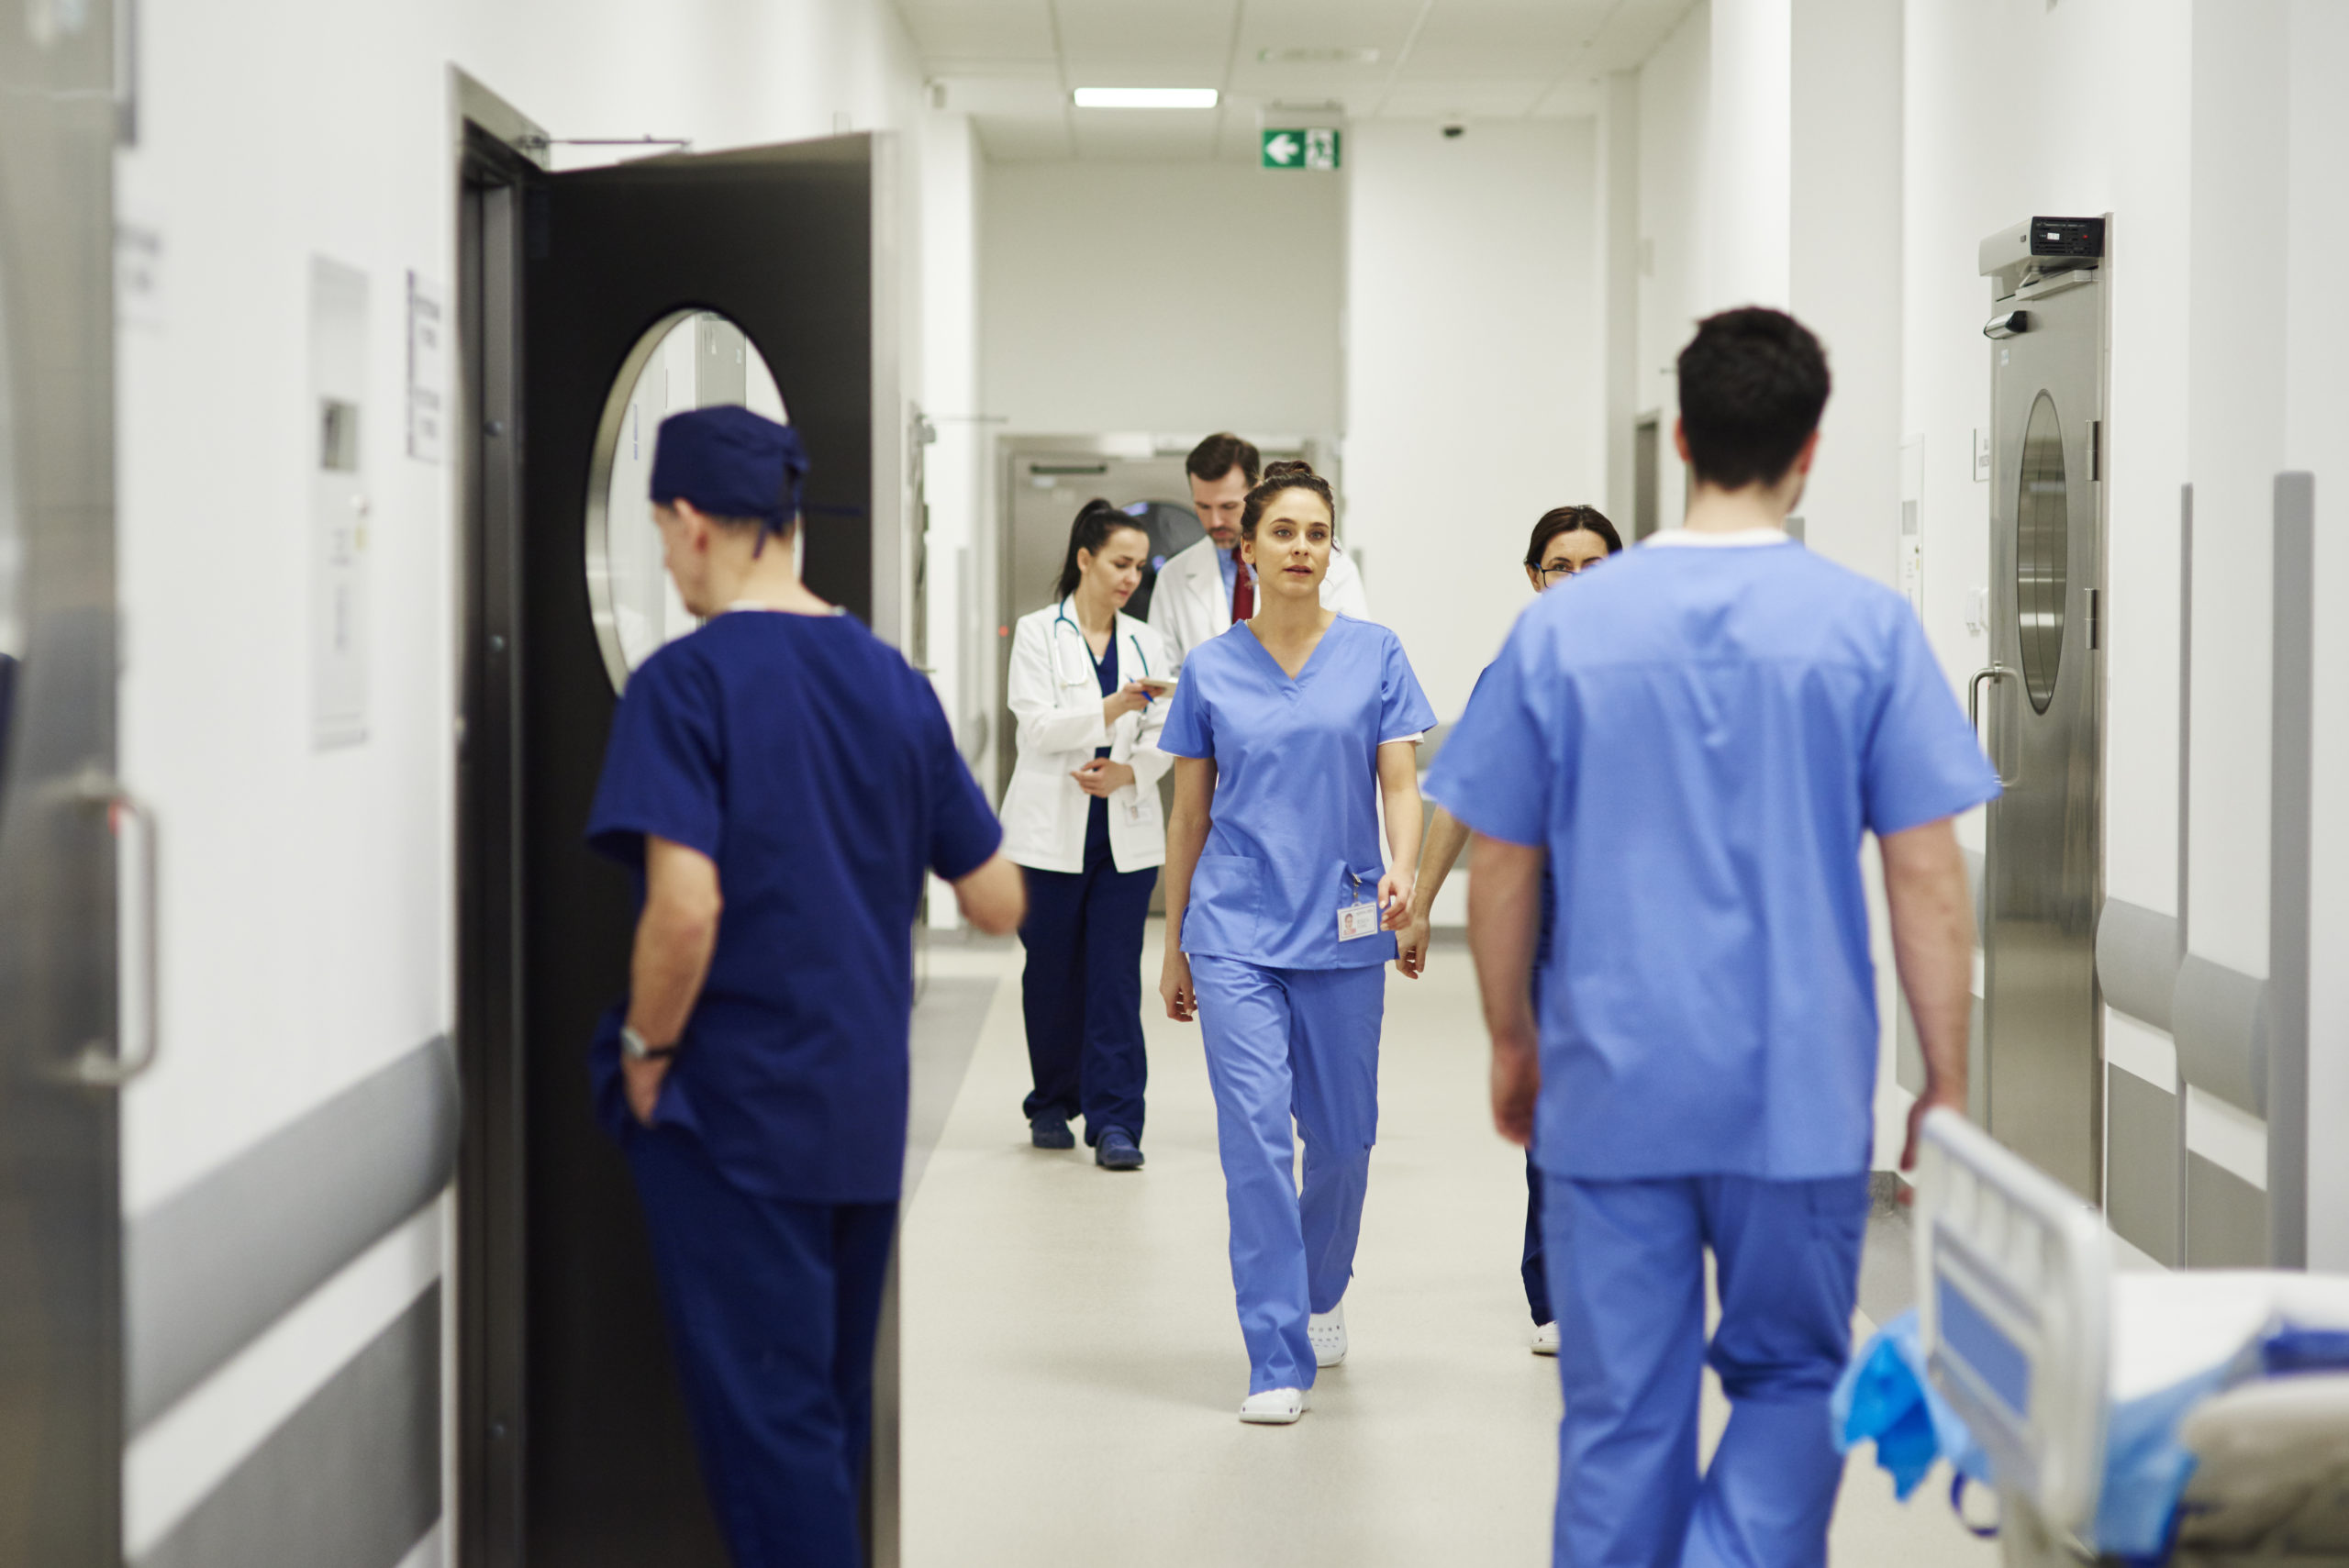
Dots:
{"x": 2290, "y": 781}
{"x": 208, "y": 1270}
{"x": 350, "y": 1479}
{"x": 2218, "y": 1018}
{"x": 2136, "y": 959}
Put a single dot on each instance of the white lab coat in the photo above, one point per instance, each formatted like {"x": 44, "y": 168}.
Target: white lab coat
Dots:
{"x": 1191, "y": 605}
{"x": 1056, "y": 698}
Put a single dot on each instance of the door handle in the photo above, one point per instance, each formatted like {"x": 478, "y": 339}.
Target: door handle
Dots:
{"x": 96, "y": 1065}
{"x": 1974, "y": 715}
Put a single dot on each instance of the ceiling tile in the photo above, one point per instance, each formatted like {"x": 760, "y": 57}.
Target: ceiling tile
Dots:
{"x": 1485, "y": 98}
{"x": 1140, "y": 33}
{"x": 1002, "y": 93}
{"x": 996, "y": 29}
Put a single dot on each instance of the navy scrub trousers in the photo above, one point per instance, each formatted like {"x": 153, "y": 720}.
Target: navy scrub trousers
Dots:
{"x": 1081, "y": 993}
{"x": 772, "y": 1308}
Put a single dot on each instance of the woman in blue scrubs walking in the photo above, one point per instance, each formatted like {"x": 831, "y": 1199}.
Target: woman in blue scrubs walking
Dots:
{"x": 1289, "y": 731}
{"x": 1566, "y": 542}
{"x": 1082, "y": 815}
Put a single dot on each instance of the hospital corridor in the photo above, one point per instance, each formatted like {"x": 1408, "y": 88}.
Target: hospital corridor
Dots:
{"x": 1173, "y": 783}
{"x": 1088, "y": 1357}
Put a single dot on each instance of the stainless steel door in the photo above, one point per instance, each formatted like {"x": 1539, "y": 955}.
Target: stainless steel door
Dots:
{"x": 60, "y": 1318}
{"x": 2041, "y": 717}
{"x": 1048, "y": 480}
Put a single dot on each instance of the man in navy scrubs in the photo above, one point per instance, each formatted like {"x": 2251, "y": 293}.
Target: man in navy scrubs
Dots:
{"x": 1697, "y": 738}
{"x": 781, "y": 783}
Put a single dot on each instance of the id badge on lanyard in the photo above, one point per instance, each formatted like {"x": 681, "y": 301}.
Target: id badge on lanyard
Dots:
{"x": 1357, "y": 917}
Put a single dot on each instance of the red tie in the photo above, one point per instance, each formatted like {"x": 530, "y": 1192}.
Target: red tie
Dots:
{"x": 1243, "y": 590}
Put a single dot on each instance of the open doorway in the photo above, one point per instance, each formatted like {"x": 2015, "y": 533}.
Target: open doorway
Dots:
{"x": 583, "y": 321}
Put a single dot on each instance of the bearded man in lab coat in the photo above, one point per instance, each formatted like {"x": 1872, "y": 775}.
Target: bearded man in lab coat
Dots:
{"x": 1207, "y": 587}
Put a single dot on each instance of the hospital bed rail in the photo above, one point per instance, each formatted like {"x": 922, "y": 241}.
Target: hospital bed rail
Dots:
{"x": 2023, "y": 1323}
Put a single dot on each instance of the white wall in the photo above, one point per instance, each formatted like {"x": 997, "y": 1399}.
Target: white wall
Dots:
{"x": 1675, "y": 229}
{"x": 1749, "y": 151}
{"x": 308, "y": 897}
{"x": 2316, "y": 439}
{"x": 1842, "y": 188}
{"x": 1168, "y": 297}
{"x": 2013, "y": 110}
{"x": 1473, "y": 386}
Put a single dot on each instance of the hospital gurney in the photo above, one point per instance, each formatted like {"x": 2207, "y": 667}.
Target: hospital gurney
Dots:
{"x": 2199, "y": 1419}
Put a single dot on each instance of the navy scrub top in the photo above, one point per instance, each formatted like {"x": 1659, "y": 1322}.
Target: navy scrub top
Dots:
{"x": 806, "y": 758}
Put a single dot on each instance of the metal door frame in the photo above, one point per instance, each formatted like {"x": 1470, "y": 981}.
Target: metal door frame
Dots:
{"x": 495, "y": 158}
{"x": 62, "y": 1061}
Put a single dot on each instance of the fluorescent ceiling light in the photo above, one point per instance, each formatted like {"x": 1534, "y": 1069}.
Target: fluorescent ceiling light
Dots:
{"x": 1145, "y": 97}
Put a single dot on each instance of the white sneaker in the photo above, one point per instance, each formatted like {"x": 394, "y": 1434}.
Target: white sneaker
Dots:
{"x": 1545, "y": 1340}
{"x": 1328, "y": 1332}
{"x": 1273, "y": 1407}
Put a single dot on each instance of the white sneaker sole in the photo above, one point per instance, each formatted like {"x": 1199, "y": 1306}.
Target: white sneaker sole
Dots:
{"x": 1545, "y": 1340}
{"x": 1274, "y": 1407}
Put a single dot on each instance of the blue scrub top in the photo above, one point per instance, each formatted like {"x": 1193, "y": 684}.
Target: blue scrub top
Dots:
{"x": 1296, "y": 808}
{"x": 1699, "y": 735}
{"x": 807, "y": 760}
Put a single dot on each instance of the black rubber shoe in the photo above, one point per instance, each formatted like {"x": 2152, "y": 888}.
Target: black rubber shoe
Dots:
{"x": 1051, "y": 1132}
{"x": 1116, "y": 1151}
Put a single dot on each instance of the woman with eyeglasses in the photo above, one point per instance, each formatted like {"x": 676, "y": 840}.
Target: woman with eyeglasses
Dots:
{"x": 1567, "y": 541}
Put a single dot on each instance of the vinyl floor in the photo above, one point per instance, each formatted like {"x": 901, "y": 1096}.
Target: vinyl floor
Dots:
{"x": 1072, "y": 1363}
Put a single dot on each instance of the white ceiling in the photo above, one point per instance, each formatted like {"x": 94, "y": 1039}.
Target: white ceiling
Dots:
{"x": 1013, "y": 63}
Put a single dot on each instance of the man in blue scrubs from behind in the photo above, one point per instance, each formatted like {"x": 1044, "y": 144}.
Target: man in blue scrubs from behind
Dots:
{"x": 1697, "y": 738}
{"x": 781, "y": 783}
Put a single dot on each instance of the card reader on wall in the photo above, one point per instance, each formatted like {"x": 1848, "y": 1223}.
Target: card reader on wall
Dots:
{"x": 2024, "y": 252}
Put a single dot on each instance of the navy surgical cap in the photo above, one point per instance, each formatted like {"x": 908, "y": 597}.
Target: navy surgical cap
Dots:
{"x": 729, "y": 462}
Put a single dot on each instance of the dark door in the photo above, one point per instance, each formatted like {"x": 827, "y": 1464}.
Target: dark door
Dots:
{"x": 61, "y": 1052}
{"x": 582, "y": 1448}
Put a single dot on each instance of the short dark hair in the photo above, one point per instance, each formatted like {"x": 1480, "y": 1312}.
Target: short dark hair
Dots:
{"x": 1220, "y": 454}
{"x": 1279, "y": 478}
{"x": 1753, "y": 383}
{"x": 1569, "y": 520}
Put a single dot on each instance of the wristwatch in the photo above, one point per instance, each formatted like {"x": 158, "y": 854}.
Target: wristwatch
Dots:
{"x": 632, "y": 1046}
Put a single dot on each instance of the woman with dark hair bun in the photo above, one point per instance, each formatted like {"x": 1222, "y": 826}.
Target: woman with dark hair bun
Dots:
{"x": 1290, "y": 732}
{"x": 1082, "y": 815}
{"x": 1566, "y": 542}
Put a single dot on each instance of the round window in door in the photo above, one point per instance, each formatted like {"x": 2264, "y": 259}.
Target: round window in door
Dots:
{"x": 694, "y": 359}
{"x": 2042, "y": 550}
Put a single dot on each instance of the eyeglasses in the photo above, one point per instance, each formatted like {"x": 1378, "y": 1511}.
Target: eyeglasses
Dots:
{"x": 1565, "y": 569}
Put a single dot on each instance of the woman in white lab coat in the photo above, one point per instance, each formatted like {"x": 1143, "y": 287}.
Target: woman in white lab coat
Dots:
{"x": 1087, "y": 686}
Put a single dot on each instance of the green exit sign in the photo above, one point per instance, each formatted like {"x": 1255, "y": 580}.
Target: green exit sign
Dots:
{"x": 1313, "y": 147}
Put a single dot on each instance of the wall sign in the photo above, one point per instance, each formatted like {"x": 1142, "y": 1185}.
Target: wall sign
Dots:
{"x": 1314, "y": 146}
{"x": 428, "y": 369}
{"x": 336, "y": 455}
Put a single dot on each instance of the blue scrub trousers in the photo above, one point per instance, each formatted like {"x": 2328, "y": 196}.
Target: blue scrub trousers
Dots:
{"x": 772, "y": 1308}
{"x": 1282, "y": 1043}
{"x": 1627, "y": 1273}
{"x": 1080, "y": 992}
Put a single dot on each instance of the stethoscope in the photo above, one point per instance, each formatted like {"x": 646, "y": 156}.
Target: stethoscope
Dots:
{"x": 1060, "y": 619}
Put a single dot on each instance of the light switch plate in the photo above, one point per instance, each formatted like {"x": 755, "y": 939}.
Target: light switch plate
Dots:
{"x": 1981, "y": 457}
{"x": 1978, "y": 610}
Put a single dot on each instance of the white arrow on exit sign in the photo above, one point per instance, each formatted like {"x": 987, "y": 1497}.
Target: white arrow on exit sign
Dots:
{"x": 1281, "y": 149}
